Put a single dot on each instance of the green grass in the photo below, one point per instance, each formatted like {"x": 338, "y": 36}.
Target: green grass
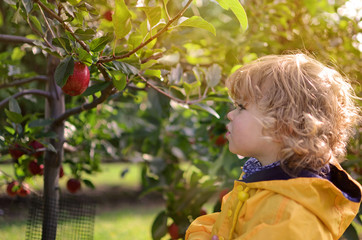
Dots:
{"x": 127, "y": 222}
{"x": 12, "y": 230}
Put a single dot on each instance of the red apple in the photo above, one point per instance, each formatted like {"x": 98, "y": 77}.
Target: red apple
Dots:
{"x": 24, "y": 190}
{"x": 41, "y": 166}
{"x": 36, "y": 145}
{"x": 73, "y": 185}
{"x": 61, "y": 172}
{"x": 173, "y": 231}
{"x": 12, "y": 188}
{"x": 222, "y": 194}
{"x": 220, "y": 140}
{"x": 202, "y": 212}
{"x": 16, "y": 151}
{"x": 78, "y": 82}
{"x": 34, "y": 168}
{"x": 108, "y": 15}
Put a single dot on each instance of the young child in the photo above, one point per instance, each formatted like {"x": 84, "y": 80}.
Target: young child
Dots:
{"x": 293, "y": 118}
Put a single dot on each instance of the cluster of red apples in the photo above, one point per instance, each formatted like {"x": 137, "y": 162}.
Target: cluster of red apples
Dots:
{"x": 34, "y": 150}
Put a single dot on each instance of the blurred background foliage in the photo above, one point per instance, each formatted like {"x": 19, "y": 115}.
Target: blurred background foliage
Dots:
{"x": 181, "y": 146}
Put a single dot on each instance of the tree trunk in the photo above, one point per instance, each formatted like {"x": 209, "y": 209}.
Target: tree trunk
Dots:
{"x": 55, "y": 106}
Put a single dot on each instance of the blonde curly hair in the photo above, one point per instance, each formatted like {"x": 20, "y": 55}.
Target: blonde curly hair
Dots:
{"x": 306, "y": 106}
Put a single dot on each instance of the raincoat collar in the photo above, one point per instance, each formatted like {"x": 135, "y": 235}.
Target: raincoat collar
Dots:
{"x": 336, "y": 176}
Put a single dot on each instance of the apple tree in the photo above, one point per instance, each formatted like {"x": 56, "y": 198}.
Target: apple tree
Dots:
{"x": 64, "y": 59}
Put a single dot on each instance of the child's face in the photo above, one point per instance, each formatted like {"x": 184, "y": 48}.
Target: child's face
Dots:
{"x": 245, "y": 135}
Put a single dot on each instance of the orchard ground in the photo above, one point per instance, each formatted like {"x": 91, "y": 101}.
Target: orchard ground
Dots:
{"x": 117, "y": 198}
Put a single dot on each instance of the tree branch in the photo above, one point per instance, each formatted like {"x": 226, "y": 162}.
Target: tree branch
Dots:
{"x": 24, "y": 81}
{"x": 15, "y": 39}
{"x": 105, "y": 94}
{"x": 164, "y": 29}
{"x": 169, "y": 95}
{"x": 60, "y": 20}
{"x": 25, "y": 92}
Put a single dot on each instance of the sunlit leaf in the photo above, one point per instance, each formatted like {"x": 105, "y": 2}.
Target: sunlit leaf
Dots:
{"x": 121, "y": 19}
{"x": 17, "y": 54}
{"x": 153, "y": 14}
{"x": 200, "y": 106}
{"x": 213, "y": 75}
{"x": 84, "y": 56}
{"x": 152, "y": 72}
{"x": 98, "y": 44}
{"x": 198, "y": 22}
{"x": 119, "y": 80}
{"x": 35, "y": 22}
{"x": 237, "y": 9}
{"x": 170, "y": 59}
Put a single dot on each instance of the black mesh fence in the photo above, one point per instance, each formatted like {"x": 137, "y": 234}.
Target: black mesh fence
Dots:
{"x": 75, "y": 219}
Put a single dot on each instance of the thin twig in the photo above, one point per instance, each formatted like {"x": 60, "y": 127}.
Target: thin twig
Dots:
{"x": 169, "y": 95}
{"x": 26, "y": 92}
{"x": 41, "y": 35}
{"x": 24, "y": 81}
{"x": 164, "y": 29}
{"x": 61, "y": 21}
{"x": 153, "y": 57}
{"x": 47, "y": 23}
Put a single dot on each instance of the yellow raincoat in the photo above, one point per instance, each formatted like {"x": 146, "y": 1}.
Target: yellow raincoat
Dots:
{"x": 282, "y": 208}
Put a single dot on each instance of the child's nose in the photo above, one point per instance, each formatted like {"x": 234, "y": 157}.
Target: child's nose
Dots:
{"x": 229, "y": 115}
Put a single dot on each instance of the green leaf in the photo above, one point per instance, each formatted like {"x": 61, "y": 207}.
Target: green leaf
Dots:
{"x": 121, "y": 19}
{"x": 152, "y": 72}
{"x": 237, "y": 9}
{"x": 89, "y": 184}
{"x": 213, "y": 75}
{"x": 199, "y": 106}
{"x": 350, "y": 233}
{"x": 62, "y": 42}
{"x": 119, "y": 80}
{"x": 13, "y": 116}
{"x": 40, "y": 123}
{"x": 85, "y": 34}
{"x": 159, "y": 226}
{"x": 153, "y": 14}
{"x": 28, "y": 4}
{"x": 17, "y": 54}
{"x": 126, "y": 68}
{"x": 14, "y": 106}
{"x": 63, "y": 71}
{"x": 98, "y": 44}
{"x": 96, "y": 88}
{"x": 36, "y": 23}
{"x": 84, "y": 56}
{"x": 198, "y": 22}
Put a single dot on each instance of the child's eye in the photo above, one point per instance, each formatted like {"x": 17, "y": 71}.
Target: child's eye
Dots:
{"x": 241, "y": 107}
